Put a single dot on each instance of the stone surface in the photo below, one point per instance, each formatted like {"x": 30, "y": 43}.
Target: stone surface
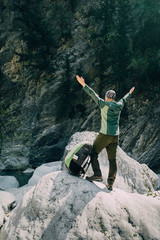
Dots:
{"x": 30, "y": 130}
{"x": 14, "y": 156}
{"x": 2, "y": 217}
{"x": 28, "y": 171}
{"x": 12, "y": 162}
{"x": 7, "y": 182}
{"x": 64, "y": 207}
{"x": 6, "y": 200}
{"x": 131, "y": 176}
{"x": 19, "y": 192}
{"x": 151, "y": 157}
{"x": 43, "y": 170}
{"x": 140, "y": 133}
{"x": 50, "y": 144}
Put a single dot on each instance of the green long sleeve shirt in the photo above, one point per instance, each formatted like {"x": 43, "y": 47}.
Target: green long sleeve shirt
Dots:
{"x": 110, "y": 112}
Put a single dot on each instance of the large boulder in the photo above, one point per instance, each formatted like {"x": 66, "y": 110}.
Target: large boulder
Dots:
{"x": 19, "y": 192}
{"x": 7, "y": 202}
{"x": 64, "y": 207}
{"x": 131, "y": 176}
{"x": 43, "y": 170}
{"x": 7, "y": 182}
{"x": 38, "y": 174}
{"x": 2, "y": 216}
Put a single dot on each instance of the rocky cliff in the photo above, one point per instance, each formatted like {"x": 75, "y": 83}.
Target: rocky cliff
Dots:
{"x": 42, "y": 105}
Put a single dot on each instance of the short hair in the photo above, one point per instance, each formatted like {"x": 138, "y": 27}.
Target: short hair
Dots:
{"x": 111, "y": 94}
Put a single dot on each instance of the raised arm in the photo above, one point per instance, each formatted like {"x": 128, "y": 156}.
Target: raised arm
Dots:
{"x": 126, "y": 97}
{"x": 90, "y": 91}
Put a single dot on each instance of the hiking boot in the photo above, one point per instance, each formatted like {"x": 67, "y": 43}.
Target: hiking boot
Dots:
{"x": 95, "y": 178}
{"x": 109, "y": 187}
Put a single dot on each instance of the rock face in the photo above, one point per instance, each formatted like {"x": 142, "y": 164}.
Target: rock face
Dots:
{"x": 19, "y": 192}
{"x": 131, "y": 176}
{"x": 43, "y": 170}
{"x": 143, "y": 126}
{"x": 7, "y": 182}
{"x": 7, "y": 201}
{"x": 50, "y": 144}
{"x": 14, "y": 156}
{"x": 37, "y": 175}
{"x": 30, "y": 132}
{"x": 2, "y": 217}
{"x": 64, "y": 207}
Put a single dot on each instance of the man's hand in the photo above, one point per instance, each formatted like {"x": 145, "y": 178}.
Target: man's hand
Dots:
{"x": 80, "y": 80}
{"x": 132, "y": 89}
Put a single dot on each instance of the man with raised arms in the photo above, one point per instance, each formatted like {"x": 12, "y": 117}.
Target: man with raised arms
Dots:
{"x": 108, "y": 136}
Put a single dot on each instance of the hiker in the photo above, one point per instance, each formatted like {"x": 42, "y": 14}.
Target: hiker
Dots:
{"x": 108, "y": 136}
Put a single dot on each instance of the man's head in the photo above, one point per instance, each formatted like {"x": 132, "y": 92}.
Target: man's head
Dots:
{"x": 110, "y": 95}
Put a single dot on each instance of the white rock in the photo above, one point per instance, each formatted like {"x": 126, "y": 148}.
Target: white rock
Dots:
{"x": 19, "y": 192}
{"x": 6, "y": 200}
{"x": 44, "y": 169}
{"x": 64, "y": 207}
{"x": 2, "y": 216}
{"x": 7, "y": 182}
{"x": 131, "y": 176}
{"x": 28, "y": 171}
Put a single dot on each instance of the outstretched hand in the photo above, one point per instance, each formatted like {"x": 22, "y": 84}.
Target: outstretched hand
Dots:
{"x": 80, "y": 80}
{"x": 131, "y": 90}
